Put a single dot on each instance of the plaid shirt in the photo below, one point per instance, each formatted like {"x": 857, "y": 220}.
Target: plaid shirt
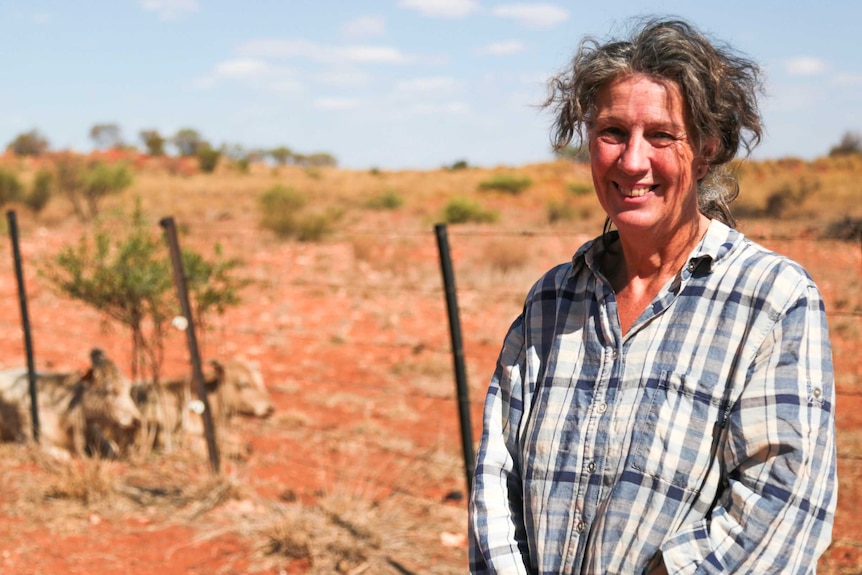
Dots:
{"x": 702, "y": 439}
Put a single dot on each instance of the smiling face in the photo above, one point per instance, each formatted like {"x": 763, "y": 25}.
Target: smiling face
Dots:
{"x": 643, "y": 161}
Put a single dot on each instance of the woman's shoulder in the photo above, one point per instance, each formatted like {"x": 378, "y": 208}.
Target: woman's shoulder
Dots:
{"x": 754, "y": 267}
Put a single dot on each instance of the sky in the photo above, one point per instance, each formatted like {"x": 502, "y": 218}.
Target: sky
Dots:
{"x": 395, "y": 84}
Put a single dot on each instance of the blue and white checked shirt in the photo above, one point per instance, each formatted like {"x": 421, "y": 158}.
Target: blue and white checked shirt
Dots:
{"x": 703, "y": 438}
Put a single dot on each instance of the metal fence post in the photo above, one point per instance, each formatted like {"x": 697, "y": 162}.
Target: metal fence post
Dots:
{"x": 25, "y": 322}
{"x": 197, "y": 373}
{"x": 457, "y": 352}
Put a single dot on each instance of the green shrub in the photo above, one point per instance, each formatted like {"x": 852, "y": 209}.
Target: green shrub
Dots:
{"x": 461, "y": 210}
{"x": 41, "y": 191}
{"x": 506, "y": 183}
{"x": 126, "y": 275}
{"x": 560, "y": 212}
{"x": 208, "y": 158}
{"x": 10, "y": 187}
{"x": 283, "y": 212}
{"x": 579, "y": 189}
{"x": 459, "y": 165}
{"x": 386, "y": 200}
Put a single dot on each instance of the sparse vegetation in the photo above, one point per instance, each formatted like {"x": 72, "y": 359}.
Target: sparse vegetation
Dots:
{"x": 850, "y": 144}
{"x": 507, "y": 183}
{"x": 579, "y": 189}
{"x": 127, "y": 276}
{"x": 10, "y": 187}
{"x": 30, "y": 143}
{"x": 461, "y": 210}
{"x": 386, "y": 200}
{"x": 41, "y": 190}
{"x": 283, "y": 212}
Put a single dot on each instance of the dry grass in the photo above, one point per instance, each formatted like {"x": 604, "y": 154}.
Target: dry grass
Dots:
{"x": 376, "y": 510}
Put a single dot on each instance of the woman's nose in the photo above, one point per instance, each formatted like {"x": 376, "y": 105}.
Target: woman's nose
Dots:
{"x": 634, "y": 157}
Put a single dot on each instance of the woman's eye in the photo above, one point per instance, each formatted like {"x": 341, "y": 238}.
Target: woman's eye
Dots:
{"x": 615, "y": 134}
{"x": 662, "y": 138}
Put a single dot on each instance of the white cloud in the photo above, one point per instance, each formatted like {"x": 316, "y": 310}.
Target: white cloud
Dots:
{"x": 346, "y": 77}
{"x": 805, "y": 66}
{"x": 170, "y": 9}
{"x": 442, "y": 8}
{"x": 240, "y": 68}
{"x": 847, "y": 79}
{"x": 371, "y": 55}
{"x": 304, "y": 49}
{"x": 251, "y": 72}
{"x": 365, "y": 27}
{"x": 533, "y": 15}
{"x": 430, "y": 86}
{"x": 501, "y": 48}
{"x": 336, "y": 104}
{"x": 428, "y": 109}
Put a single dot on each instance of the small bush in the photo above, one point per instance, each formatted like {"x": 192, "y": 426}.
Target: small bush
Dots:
{"x": 386, "y": 200}
{"x": 459, "y": 165}
{"x": 461, "y": 210}
{"x": 848, "y": 229}
{"x": 560, "y": 212}
{"x": 10, "y": 187}
{"x": 579, "y": 189}
{"x": 208, "y": 158}
{"x": 41, "y": 191}
{"x": 283, "y": 213}
{"x": 506, "y": 183}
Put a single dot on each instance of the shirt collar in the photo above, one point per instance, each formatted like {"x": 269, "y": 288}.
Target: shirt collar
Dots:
{"x": 715, "y": 245}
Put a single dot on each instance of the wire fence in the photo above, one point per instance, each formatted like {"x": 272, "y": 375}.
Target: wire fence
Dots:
{"x": 425, "y": 285}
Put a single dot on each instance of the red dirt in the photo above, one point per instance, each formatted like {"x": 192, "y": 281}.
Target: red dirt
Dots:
{"x": 355, "y": 354}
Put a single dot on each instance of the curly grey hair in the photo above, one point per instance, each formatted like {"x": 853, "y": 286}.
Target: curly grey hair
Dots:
{"x": 719, "y": 86}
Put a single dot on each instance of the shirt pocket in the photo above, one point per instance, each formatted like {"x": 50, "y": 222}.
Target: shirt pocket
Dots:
{"x": 676, "y": 436}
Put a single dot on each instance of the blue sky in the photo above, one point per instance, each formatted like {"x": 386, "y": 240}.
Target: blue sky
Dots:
{"x": 397, "y": 84}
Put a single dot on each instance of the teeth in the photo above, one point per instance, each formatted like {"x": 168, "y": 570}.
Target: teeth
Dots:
{"x": 635, "y": 192}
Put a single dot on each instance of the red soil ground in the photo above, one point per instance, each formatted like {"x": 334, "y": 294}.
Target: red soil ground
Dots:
{"x": 354, "y": 350}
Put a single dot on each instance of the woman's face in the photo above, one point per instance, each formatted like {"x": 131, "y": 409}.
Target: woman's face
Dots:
{"x": 643, "y": 162}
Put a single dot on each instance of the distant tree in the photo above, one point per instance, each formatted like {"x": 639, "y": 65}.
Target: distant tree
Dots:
{"x": 30, "y": 143}
{"x": 851, "y": 143}
{"x": 187, "y": 141}
{"x": 102, "y": 180}
{"x": 86, "y": 185}
{"x": 207, "y": 157}
{"x": 106, "y": 136}
{"x": 281, "y": 155}
{"x": 318, "y": 159}
{"x": 154, "y": 142}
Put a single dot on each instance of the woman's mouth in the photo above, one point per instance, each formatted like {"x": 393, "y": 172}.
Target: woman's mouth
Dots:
{"x": 636, "y": 191}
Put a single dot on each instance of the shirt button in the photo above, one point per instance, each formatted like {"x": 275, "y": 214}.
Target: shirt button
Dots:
{"x": 602, "y": 407}
{"x": 580, "y": 526}
{"x": 591, "y": 466}
{"x": 817, "y": 392}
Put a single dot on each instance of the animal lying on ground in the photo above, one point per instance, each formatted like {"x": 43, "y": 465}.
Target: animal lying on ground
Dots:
{"x": 172, "y": 411}
{"x": 73, "y": 407}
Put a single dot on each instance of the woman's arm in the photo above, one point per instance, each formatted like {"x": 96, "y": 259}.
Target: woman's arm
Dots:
{"x": 775, "y": 514}
{"x": 497, "y": 536}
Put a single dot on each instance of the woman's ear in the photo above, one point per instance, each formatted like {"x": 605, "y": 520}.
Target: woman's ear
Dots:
{"x": 704, "y": 160}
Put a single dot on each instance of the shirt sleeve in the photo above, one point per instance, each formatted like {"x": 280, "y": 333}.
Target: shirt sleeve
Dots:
{"x": 775, "y": 512}
{"x": 497, "y": 535}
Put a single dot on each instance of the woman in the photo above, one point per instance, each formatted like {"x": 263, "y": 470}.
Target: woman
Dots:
{"x": 664, "y": 403}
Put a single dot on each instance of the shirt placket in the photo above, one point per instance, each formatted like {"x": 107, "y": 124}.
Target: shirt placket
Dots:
{"x": 586, "y": 495}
